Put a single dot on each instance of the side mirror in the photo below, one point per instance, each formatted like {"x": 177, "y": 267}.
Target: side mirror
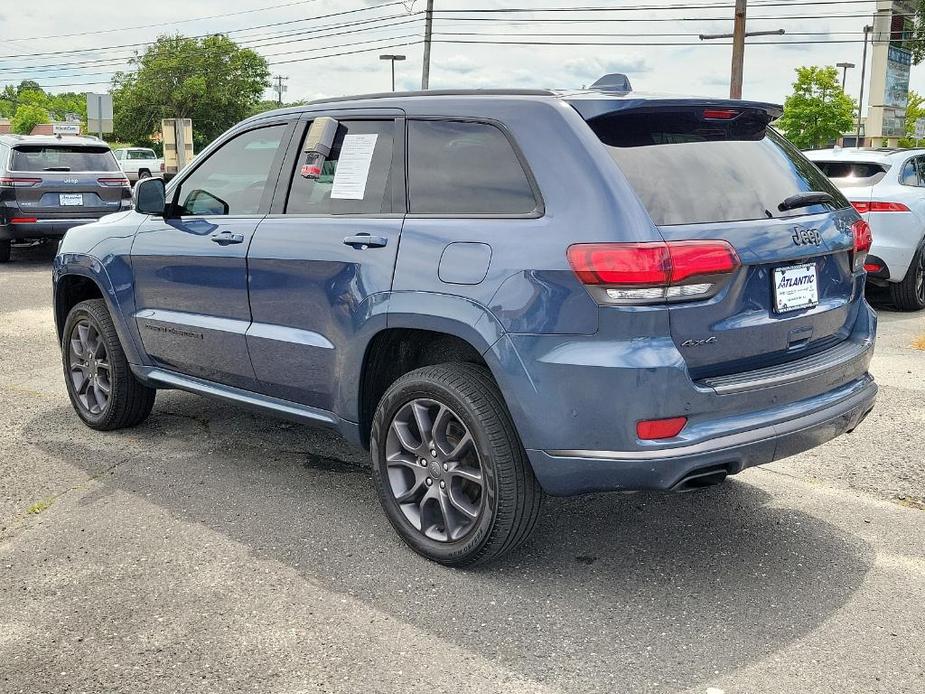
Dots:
{"x": 149, "y": 196}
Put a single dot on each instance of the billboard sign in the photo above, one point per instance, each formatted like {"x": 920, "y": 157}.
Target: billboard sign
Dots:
{"x": 899, "y": 64}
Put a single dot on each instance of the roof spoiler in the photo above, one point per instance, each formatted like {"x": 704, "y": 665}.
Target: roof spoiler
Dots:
{"x": 613, "y": 82}
{"x": 590, "y": 107}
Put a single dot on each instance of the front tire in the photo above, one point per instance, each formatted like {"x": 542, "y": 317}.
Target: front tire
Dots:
{"x": 449, "y": 467}
{"x": 143, "y": 174}
{"x": 909, "y": 295}
{"x": 103, "y": 390}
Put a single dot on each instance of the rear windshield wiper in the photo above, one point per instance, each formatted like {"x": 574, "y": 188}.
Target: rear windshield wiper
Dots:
{"x": 812, "y": 197}
{"x": 57, "y": 168}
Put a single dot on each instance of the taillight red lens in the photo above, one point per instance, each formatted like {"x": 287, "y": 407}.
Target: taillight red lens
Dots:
{"x": 879, "y": 206}
{"x": 652, "y": 271}
{"x": 636, "y": 264}
{"x": 113, "y": 182}
{"x": 23, "y": 220}
{"x": 17, "y": 182}
{"x": 700, "y": 259}
{"x": 872, "y": 267}
{"x": 863, "y": 238}
{"x": 654, "y": 429}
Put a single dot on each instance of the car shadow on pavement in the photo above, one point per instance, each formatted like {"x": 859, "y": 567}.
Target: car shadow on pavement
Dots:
{"x": 31, "y": 256}
{"x": 638, "y": 591}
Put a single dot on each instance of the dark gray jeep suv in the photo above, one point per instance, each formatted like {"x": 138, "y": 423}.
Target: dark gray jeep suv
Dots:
{"x": 49, "y": 184}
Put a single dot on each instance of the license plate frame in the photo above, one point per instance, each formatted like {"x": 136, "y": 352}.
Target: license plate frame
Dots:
{"x": 795, "y": 287}
{"x": 71, "y": 199}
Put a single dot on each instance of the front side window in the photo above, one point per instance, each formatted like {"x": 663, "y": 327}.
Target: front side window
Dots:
{"x": 141, "y": 154}
{"x": 457, "y": 167}
{"x": 355, "y": 177}
{"x": 233, "y": 179}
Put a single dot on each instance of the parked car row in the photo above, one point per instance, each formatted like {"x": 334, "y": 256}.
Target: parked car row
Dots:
{"x": 500, "y": 295}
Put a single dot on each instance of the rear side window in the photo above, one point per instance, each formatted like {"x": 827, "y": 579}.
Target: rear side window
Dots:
{"x": 355, "y": 177}
{"x": 63, "y": 158}
{"x": 853, "y": 173}
{"x": 465, "y": 168}
{"x": 688, "y": 170}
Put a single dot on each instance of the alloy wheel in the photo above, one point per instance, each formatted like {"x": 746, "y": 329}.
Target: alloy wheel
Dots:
{"x": 920, "y": 279}
{"x": 434, "y": 470}
{"x": 90, "y": 371}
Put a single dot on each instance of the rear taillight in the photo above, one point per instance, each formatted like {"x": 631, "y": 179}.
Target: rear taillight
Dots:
{"x": 863, "y": 240}
{"x": 114, "y": 182}
{"x": 627, "y": 273}
{"x": 18, "y": 182}
{"x": 879, "y": 206}
{"x": 23, "y": 220}
{"x": 655, "y": 429}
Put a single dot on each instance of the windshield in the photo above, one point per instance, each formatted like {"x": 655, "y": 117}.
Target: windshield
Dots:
{"x": 688, "y": 170}
{"x": 63, "y": 158}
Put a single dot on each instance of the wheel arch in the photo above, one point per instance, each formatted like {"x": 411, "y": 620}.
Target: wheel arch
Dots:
{"x": 80, "y": 278}
{"x": 423, "y": 329}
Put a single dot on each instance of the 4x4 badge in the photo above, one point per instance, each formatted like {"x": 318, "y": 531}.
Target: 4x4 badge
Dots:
{"x": 806, "y": 237}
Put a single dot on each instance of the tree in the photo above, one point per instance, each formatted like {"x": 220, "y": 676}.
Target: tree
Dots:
{"x": 915, "y": 110}
{"x": 27, "y": 116}
{"x": 818, "y": 112}
{"x": 211, "y": 80}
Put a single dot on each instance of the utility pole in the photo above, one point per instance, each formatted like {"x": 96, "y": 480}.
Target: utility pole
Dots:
{"x": 857, "y": 139}
{"x": 738, "y": 51}
{"x": 279, "y": 88}
{"x": 844, "y": 72}
{"x": 738, "y": 47}
{"x": 428, "y": 31}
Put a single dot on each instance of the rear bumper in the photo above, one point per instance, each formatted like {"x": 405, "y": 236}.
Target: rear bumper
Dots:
{"x": 43, "y": 228}
{"x": 793, "y": 429}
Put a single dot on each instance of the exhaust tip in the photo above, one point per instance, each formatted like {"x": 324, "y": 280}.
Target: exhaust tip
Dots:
{"x": 701, "y": 479}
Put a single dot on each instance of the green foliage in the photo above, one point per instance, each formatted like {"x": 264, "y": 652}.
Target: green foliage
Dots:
{"x": 56, "y": 106}
{"x": 27, "y": 116}
{"x": 915, "y": 110}
{"x": 818, "y": 111}
{"x": 271, "y": 104}
{"x": 211, "y": 80}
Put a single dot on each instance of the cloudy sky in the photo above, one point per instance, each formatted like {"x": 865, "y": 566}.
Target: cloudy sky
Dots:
{"x": 331, "y": 47}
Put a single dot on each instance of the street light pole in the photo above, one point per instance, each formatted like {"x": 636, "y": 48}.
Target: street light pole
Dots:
{"x": 844, "y": 72}
{"x": 392, "y": 58}
{"x": 857, "y": 139}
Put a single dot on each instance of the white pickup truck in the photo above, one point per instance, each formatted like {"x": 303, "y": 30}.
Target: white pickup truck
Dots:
{"x": 139, "y": 162}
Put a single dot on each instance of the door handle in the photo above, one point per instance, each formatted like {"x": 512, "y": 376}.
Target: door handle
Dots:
{"x": 226, "y": 238}
{"x": 363, "y": 241}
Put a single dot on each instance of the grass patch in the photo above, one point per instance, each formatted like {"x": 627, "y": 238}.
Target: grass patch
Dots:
{"x": 39, "y": 506}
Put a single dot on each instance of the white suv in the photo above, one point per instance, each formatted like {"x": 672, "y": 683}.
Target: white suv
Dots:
{"x": 887, "y": 186}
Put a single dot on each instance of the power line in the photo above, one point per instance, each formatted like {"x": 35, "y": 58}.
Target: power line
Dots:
{"x": 160, "y": 24}
{"x": 201, "y": 36}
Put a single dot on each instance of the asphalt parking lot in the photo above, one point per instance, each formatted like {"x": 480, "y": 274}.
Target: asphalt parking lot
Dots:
{"x": 214, "y": 550}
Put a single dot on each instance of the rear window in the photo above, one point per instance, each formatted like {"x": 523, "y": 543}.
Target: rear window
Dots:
{"x": 62, "y": 158}
{"x": 853, "y": 173}
{"x": 687, "y": 170}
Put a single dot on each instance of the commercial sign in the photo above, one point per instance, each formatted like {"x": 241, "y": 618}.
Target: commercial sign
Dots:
{"x": 899, "y": 63}
{"x": 65, "y": 129}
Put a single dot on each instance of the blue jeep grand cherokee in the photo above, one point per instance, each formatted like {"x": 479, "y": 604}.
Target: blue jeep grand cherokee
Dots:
{"x": 500, "y": 294}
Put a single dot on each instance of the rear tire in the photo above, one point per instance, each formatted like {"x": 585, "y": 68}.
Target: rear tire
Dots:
{"x": 909, "y": 295}
{"x": 491, "y": 500}
{"x": 5, "y": 250}
{"x": 102, "y": 388}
